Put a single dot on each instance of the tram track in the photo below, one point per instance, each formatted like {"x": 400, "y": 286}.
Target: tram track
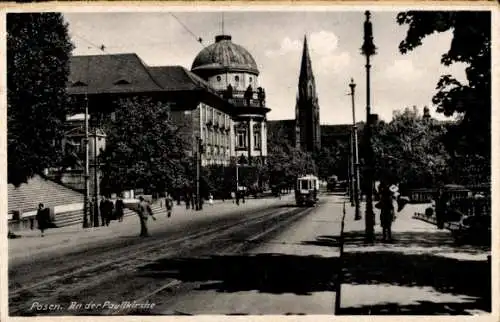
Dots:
{"x": 233, "y": 235}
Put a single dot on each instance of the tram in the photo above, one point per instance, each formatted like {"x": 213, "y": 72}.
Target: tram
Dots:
{"x": 306, "y": 190}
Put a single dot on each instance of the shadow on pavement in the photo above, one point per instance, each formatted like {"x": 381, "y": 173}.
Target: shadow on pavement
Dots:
{"x": 324, "y": 240}
{"x": 266, "y": 273}
{"x": 426, "y": 239}
{"x": 408, "y": 268}
{"x": 421, "y": 308}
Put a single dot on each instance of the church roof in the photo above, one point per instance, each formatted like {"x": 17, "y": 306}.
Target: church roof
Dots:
{"x": 224, "y": 56}
{"x": 306, "y": 72}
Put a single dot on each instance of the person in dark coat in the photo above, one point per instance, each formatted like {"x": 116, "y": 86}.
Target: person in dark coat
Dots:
{"x": 102, "y": 211}
{"x": 387, "y": 212}
{"x": 43, "y": 218}
{"x": 441, "y": 208}
{"x": 119, "y": 208}
{"x": 169, "y": 204}
{"x": 144, "y": 210}
{"x": 108, "y": 211}
{"x": 186, "y": 198}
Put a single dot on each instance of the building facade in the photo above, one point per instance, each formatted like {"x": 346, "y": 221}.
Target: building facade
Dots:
{"x": 307, "y": 128}
{"x": 231, "y": 70}
{"x": 198, "y": 110}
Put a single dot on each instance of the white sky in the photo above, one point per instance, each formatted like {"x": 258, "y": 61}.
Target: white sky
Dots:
{"x": 275, "y": 41}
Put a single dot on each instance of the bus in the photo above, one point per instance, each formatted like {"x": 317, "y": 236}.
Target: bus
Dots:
{"x": 306, "y": 191}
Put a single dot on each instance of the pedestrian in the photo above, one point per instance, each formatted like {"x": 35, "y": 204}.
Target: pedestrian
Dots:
{"x": 387, "y": 211}
{"x": 210, "y": 199}
{"x": 441, "y": 208}
{"x": 43, "y": 218}
{"x": 144, "y": 210}
{"x": 119, "y": 208}
{"x": 108, "y": 208}
{"x": 102, "y": 210}
{"x": 169, "y": 204}
{"x": 186, "y": 198}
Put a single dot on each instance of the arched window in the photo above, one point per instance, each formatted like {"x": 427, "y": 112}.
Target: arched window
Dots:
{"x": 219, "y": 78}
{"x": 237, "y": 78}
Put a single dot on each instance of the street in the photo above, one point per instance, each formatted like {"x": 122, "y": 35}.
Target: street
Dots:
{"x": 237, "y": 262}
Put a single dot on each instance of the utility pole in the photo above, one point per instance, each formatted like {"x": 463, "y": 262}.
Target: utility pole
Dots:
{"x": 249, "y": 142}
{"x": 198, "y": 170}
{"x": 355, "y": 161}
{"x": 351, "y": 170}
{"x": 96, "y": 177}
{"x": 237, "y": 177}
{"x": 86, "y": 208}
{"x": 368, "y": 49}
{"x": 349, "y": 174}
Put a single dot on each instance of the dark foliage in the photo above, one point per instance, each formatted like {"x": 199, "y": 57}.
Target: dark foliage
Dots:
{"x": 38, "y": 51}
{"x": 471, "y": 44}
{"x": 143, "y": 149}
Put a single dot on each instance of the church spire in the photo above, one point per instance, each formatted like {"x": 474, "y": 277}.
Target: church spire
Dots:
{"x": 306, "y": 72}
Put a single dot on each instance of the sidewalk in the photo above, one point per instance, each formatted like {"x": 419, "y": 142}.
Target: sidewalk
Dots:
{"x": 423, "y": 272}
{"x": 72, "y": 238}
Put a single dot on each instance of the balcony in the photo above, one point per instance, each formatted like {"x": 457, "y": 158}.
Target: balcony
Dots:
{"x": 247, "y": 102}
{"x": 242, "y": 98}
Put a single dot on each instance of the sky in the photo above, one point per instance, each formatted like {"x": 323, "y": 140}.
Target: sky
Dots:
{"x": 275, "y": 40}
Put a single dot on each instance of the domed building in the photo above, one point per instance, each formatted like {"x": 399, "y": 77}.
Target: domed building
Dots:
{"x": 232, "y": 71}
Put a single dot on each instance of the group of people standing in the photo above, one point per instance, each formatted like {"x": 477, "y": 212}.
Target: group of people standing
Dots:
{"x": 111, "y": 211}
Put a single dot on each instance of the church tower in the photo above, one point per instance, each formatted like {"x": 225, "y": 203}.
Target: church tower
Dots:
{"x": 307, "y": 126}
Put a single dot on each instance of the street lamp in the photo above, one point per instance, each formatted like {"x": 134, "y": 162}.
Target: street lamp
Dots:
{"x": 355, "y": 161}
{"x": 86, "y": 208}
{"x": 368, "y": 49}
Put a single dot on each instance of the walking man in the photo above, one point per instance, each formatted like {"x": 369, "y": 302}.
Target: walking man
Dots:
{"x": 119, "y": 208}
{"x": 102, "y": 210}
{"x": 42, "y": 218}
{"x": 144, "y": 210}
{"x": 388, "y": 207}
{"x": 169, "y": 204}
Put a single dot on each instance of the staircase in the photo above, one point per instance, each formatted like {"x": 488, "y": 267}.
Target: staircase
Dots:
{"x": 76, "y": 217}
{"x": 39, "y": 190}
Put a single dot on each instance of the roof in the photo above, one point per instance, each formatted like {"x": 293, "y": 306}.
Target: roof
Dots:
{"x": 224, "y": 55}
{"x": 178, "y": 78}
{"x": 306, "y": 73}
{"x": 128, "y": 74}
{"x": 117, "y": 73}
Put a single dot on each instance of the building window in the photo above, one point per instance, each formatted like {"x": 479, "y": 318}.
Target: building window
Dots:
{"x": 241, "y": 139}
{"x": 237, "y": 78}
{"x": 250, "y": 79}
{"x": 219, "y": 78}
{"x": 256, "y": 140}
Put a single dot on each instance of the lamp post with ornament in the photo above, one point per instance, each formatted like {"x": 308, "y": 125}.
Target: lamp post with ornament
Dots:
{"x": 368, "y": 49}
{"x": 355, "y": 156}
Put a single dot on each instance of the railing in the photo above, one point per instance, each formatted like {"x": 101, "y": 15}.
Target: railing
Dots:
{"x": 247, "y": 102}
{"x": 255, "y": 99}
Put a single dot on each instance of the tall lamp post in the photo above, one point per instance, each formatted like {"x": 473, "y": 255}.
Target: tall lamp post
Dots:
{"x": 368, "y": 49}
{"x": 355, "y": 161}
{"x": 86, "y": 208}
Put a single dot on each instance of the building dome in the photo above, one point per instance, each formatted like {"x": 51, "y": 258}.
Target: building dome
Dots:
{"x": 224, "y": 56}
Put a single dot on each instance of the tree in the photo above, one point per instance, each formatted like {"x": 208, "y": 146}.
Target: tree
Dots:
{"x": 409, "y": 150}
{"x": 471, "y": 45}
{"x": 38, "y": 52}
{"x": 285, "y": 163}
{"x": 143, "y": 149}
